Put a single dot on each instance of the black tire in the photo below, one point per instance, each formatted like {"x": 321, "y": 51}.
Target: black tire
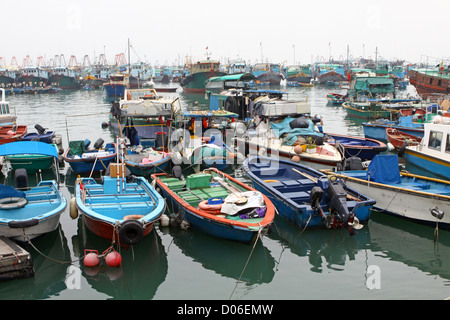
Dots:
{"x": 131, "y": 232}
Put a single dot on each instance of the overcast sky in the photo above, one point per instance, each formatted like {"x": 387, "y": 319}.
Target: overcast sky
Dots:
{"x": 164, "y": 31}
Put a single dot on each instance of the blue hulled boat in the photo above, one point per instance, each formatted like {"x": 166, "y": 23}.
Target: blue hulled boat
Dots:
{"x": 305, "y": 196}
{"x": 26, "y": 213}
{"x": 377, "y": 129}
{"x": 116, "y": 85}
{"x": 361, "y": 147}
{"x": 119, "y": 207}
{"x": 84, "y": 160}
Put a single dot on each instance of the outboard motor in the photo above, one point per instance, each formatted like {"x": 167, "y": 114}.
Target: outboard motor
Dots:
{"x": 99, "y": 143}
{"x": 338, "y": 200}
{"x": 177, "y": 172}
{"x": 39, "y": 129}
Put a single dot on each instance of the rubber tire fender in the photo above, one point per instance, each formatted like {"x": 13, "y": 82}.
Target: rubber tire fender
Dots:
{"x": 131, "y": 231}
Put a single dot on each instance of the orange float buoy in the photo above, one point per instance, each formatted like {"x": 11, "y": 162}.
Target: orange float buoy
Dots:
{"x": 298, "y": 149}
{"x": 113, "y": 259}
{"x": 295, "y": 159}
{"x": 91, "y": 259}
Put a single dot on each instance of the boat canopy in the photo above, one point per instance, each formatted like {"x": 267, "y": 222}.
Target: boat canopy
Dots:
{"x": 28, "y": 147}
{"x": 233, "y": 77}
{"x": 374, "y": 85}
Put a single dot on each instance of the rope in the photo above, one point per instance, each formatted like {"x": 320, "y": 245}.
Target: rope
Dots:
{"x": 38, "y": 251}
{"x": 248, "y": 259}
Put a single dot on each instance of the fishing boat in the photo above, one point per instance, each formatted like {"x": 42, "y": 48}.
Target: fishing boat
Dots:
{"x": 143, "y": 161}
{"x": 366, "y": 110}
{"x": 376, "y": 129}
{"x": 30, "y": 161}
{"x": 198, "y": 74}
{"x": 306, "y": 197}
{"x": 201, "y": 143}
{"x": 364, "y": 148}
{"x": 413, "y": 197}
{"x": 6, "y": 117}
{"x": 84, "y": 160}
{"x": 292, "y": 138}
{"x": 28, "y": 212}
{"x": 336, "y": 98}
{"x": 64, "y": 78}
{"x": 119, "y": 208}
{"x": 33, "y": 77}
{"x": 116, "y": 85}
{"x": 429, "y": 81}
{"x": 217, "y": 204}
{"x": 267, "y": 73}
{"x": 330, "y": 72}
{"x": 433, "y": 152}
{"x": 299, "y": 74}
{"x": 146, "y": 110}
{"x": 11, "y": 133}
{"x": 41, "y": 135}
{"x": 400, "y": 139}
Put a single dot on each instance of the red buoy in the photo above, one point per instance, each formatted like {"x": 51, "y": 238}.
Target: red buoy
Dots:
{"x": 113, "y": 259}
{"x": 91, "y": 259}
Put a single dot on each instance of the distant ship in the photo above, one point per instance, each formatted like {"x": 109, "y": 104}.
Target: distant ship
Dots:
{"x": 199, "y": 73}
{"x": 64, "y": 78}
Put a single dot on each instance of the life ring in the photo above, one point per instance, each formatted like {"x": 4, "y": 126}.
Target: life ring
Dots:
{"x": 12, "y": 203}
{"x": 209, "y": 207}
{"x": 133, "y": 216}
{"x": 131, "y": 231}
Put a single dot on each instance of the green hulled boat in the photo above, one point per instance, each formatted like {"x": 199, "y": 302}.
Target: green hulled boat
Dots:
{"x": 366, "y": 110}
{"x": 201, "y": 71}
{"x": 64, "y": 78}
{"x": 31, "y": 162}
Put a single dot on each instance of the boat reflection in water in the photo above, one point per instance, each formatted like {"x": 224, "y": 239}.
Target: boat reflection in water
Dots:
{"x": 324, "y": 248}
{"x": 412, "y": 244}
{"x": 226, "y": 258}
{"x": 143, "y": 269}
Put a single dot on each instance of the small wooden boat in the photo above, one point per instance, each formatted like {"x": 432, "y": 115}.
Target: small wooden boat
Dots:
{"x": 28, "y": 212}
{"x": 336, "y": 98}
{"x": 41, "y": 135}
{"x": 418, "y": 198}
{"x": 217, "y": 204}
{"x": 306, "y": 197}
{"x": 364, "y": 148}
{"x": 366, "y": 110}
{"x": 11, "y": 133}
{"x": 83, "y": 160}
{"x": 145, "y": 161}
{"x": 119, "y": 208}
{"x": 29, "y": 161}
{"x": 400, "y": 139}
{"x": 191, "y": 146}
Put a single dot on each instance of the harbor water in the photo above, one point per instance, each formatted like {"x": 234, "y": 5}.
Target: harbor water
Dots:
{"x": 388, "y": 259}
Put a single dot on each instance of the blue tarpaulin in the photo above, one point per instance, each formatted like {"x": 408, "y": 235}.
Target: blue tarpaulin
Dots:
{"x": 384, "y": 169}
{"x": 292, "y": 134}
{"x": 9, "y": 192}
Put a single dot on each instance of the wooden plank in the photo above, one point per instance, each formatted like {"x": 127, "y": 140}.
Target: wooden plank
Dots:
{"x": 15, "y": 262}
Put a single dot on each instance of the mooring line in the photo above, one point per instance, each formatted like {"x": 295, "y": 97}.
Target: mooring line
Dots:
{"x": 248, "y": 259}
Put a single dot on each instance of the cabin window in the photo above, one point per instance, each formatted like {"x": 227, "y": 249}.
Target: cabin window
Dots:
{"x": 431, "y": 80}
{"x": 447, "y": 144}
{"x": 435, "y": 140}
{"x": 439, "y": 82}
